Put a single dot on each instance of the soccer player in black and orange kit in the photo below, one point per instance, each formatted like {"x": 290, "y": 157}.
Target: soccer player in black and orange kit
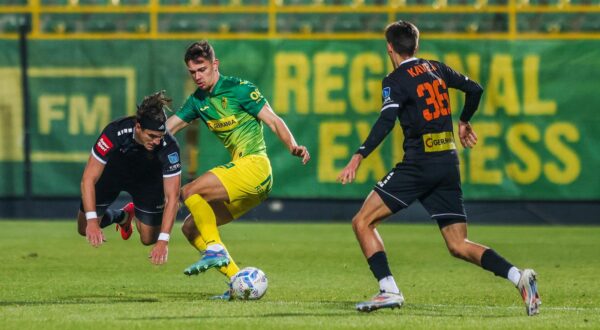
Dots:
{"x": 138, "y": 155}
{"x": 416, "y": 93}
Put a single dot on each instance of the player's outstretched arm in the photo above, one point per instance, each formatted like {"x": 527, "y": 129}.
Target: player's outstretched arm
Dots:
{"x": 91, "y": 174}
{"x": 160, "y": 251}
{"x": 348, "y": 174}
{"x": 467, "y": 135}
{"x": 278, "y": 126}
{"x": 174, "y": 124}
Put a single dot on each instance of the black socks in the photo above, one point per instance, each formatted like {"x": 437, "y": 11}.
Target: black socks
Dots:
{"x": 112, "y": 216}
{"x": 492, "y": 261}
{"x": 379, "y": 265}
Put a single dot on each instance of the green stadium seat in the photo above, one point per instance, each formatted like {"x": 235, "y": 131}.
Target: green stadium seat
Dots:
{"x": 131, "y": 2}
{"x": 586, "y": 2}
{"x": 372, "y": 2}
{"x": 94, "y": 24}
{"x": 338, "y": 2}
{"x": 89, "y": 2}
{"x": 419, "y": 2}
{"x": 347, "y": 23}
{"x": 178, "y": 23}
{"x": 13, "y": 2}
{"x": 591, "y": 23}
{"x": 260, "y": 25}
{"x": 490, "y": 22}
{"x": 529, "y": 23}
{"x": 376, "y": 23}
{"x": 553, "y": 23}
{"x": 9, "y": 23}
{"x": 427, "y": 22}
{"x": 301, "y": 23}
{"x": 57, "y": 24}
{"x": 255, "y": 2}
{"x": 175, "y": 2}
{"x": 55, "y": 2}
{"x": 137, "y": 26}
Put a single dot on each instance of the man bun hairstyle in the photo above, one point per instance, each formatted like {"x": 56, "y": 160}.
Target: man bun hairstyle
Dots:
{"x": 403, "y": 36}
{"x": 151, "y": 112}
{"x": 200, "y": 49}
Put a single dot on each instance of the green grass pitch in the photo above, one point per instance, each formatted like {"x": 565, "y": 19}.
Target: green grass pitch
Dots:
{"x": 50, "y": 278}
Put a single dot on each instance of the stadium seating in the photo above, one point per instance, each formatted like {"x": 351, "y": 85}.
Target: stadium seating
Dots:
{"x": 214, "y": 23}
{"x": 9, "y": 23}
{"x": 332, "y": 16}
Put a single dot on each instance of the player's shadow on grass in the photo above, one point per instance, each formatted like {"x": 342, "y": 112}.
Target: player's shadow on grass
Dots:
{"x": 82, "y": 300}
{"x": 221, "y": 317}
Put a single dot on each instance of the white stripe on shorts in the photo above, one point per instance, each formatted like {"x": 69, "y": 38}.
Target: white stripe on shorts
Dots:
{"x": 442, "y": 214}
{"x": 394, "y": 197}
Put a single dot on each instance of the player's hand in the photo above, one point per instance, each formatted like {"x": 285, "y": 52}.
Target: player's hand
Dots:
{"x": 93, "y": 233}
{"x": 348, "y": 174}
{"x": 159, "y": 253}
{"x": 467, "y": 136}
{"x": 302, "y": 152}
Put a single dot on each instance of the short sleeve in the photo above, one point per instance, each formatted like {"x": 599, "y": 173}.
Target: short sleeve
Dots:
{"x": 250, "y": 98}
{"x": 170, "y": 158}
{"x": 106, "y": 144}
{"x": 188, "y": 112}
{"x": 391, "y": 94}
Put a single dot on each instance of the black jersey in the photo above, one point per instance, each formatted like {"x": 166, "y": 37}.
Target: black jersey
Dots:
{"x": 417, "y": 94}
{"x": 117, "y": 149}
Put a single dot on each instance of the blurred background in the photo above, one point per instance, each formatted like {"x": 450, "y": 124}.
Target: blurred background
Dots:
{"x": 68, "y": 67}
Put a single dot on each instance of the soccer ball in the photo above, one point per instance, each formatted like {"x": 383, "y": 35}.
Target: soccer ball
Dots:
{"x": 249, "y": 283}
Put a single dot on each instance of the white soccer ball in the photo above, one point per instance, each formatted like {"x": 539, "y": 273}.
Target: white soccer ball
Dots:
{"x": 249, "y": 283}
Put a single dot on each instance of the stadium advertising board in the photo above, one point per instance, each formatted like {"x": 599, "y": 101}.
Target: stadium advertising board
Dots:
{"x": 536, "y": 123}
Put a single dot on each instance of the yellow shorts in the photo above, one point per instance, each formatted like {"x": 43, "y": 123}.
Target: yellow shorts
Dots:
{"x": 248, "y": 182}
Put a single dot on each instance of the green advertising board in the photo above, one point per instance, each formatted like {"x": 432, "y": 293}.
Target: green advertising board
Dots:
{"x": 537, "y": 122}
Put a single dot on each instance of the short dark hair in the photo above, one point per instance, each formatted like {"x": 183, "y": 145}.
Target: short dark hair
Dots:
{"x": 199, "y": 49}
{"x": 152, "y": 108}
{"x": 403, "y": 36}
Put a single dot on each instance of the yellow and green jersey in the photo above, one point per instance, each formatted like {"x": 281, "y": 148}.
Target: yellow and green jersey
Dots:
{"x": 230, "y": 111}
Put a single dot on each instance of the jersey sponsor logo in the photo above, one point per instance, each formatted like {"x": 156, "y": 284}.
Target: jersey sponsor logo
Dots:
{"x": 174, "y": 167}
{"x": 103, "y": 145}
{"x": 434, "y": 142}
{"x": 386, "y": 94}
{"x": 173, "y": 158}
{"x": 125, "y": 131}
{"x": 256, "y": 95}
{"x": 223, "y": 124}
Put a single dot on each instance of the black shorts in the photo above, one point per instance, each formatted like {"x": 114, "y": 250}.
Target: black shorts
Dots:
{"x": 148, "y": 195}
{"x": 435, "y": 185}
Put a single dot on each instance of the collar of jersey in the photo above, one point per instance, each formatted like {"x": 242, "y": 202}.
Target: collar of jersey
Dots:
{"x": 409, "y": 60}
{"x": 217, "y": 86}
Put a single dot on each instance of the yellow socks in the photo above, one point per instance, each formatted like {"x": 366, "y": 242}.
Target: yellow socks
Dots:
{"x": 230, "y": 269}
{"x": 204, "y": 217}
{"x": 199, "y": 243}
{"x": 206, "y": 222}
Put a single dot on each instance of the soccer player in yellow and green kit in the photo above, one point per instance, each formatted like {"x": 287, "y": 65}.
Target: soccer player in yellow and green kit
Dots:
{"x": 234, "y": 110}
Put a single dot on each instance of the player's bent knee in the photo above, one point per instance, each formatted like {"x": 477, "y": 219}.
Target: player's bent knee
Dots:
{"x": 148, "y": 240}
{"x": 457, "y": 250}
{"x": 360, "y": 223}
